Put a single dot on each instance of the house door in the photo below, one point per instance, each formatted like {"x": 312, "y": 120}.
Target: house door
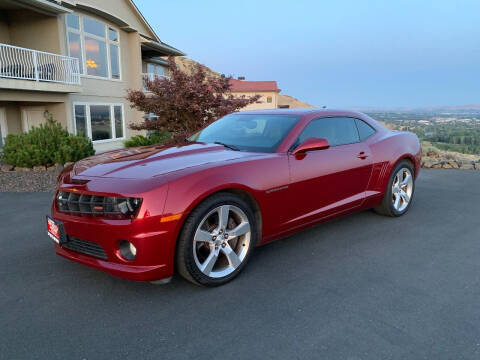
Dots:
{"x": 3, "y": 127}
{"x": 32, "y": 117}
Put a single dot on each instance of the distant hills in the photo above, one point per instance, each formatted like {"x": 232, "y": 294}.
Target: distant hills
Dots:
{"x": 455, "y": 108}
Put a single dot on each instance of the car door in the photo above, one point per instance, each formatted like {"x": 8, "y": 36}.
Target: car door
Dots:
{"x": 324, "y": 182}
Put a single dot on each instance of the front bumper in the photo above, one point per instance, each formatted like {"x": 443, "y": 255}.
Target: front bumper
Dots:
{"x": 153, "y": 239}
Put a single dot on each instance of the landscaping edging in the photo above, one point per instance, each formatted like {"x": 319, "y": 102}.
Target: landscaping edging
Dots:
{"x": 443, "y": 163}
{"x": 37, "y": 179}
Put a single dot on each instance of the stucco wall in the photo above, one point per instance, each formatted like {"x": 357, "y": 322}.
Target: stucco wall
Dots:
{"x": 12, "y": 111}
{"x": 34, "y": 31}
{"x": 4, "y": 31}
{"x": 263, "y": 100}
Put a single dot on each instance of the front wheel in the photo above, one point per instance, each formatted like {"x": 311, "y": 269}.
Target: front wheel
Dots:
{"x": 216, "y": 241}
{"x": 399, "y": 194}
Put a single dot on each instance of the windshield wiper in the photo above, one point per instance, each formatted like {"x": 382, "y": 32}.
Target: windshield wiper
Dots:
{"x": 231, "y": 147}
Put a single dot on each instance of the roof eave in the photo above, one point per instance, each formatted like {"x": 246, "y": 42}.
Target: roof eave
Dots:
{"x": 162, "y": 48}
{"x": 41, "y": 6}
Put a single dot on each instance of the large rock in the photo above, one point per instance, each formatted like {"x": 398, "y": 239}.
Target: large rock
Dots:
{"x": 39, "y": 168}
{"x": 428, "y": 162}
{"x": 7, "y": 167}
{"x": 22, "y": 169}
{"x": 467, "y": 166}
{"x": 453, "y": 164}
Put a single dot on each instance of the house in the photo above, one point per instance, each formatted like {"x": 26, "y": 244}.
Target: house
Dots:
{"x": 75, "y": 60}
{"x": 270, "y": 97}
{"x": 268, "y": 91}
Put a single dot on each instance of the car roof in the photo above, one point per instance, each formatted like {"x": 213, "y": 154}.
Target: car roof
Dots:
{"x": 305, "y": 111}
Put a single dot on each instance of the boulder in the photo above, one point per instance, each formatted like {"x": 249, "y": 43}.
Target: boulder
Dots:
{"x": 22, "y": 169}
{"x": 467, "y": 166}
{"x": 6, "y": 167}
{"x": 428, "y": 162}
{"x": 453, "y": 164}
{"x": 39, "y": 168}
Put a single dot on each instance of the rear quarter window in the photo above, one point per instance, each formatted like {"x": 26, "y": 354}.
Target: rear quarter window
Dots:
{"x": 364, "y": 130}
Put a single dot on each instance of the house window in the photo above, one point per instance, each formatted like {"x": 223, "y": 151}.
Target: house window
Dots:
{"x": 156, "y": 69}
{"x": 95, "y": 45}
{"x": 80, "y": 120}
{"x": 269, "y": 99}
{"x": 99, "y": 122}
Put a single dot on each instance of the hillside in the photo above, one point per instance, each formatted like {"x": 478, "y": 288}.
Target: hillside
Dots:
{"x": 292, "y": 102}
{"x": 186, "y": 64}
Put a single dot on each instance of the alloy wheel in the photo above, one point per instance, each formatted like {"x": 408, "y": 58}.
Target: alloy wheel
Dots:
{"x": 402, "y": 189}
{"x": 221, "y": 241}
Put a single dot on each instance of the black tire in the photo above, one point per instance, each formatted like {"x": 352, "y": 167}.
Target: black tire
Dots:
{"x": 185, "y": 261}
{"x": 386, "y": 207}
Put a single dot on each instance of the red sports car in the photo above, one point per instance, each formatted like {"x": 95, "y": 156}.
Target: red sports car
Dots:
{"x": 246, "y": 179}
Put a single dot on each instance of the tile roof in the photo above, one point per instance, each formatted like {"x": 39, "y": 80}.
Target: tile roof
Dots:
{"x": 246, "y": 86}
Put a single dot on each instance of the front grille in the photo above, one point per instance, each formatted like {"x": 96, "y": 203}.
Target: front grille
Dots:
{"x": 85, "y": 247}
{"x": 79, "y": 203}
{"x": 85, "y": 204}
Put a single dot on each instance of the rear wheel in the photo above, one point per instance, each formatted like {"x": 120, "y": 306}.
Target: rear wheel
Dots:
{"x": 216, "y": 241}
{"x": 399, "y": 194}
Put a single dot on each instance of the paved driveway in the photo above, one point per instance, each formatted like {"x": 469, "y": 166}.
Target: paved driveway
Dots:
{"x": 362, "y": 287}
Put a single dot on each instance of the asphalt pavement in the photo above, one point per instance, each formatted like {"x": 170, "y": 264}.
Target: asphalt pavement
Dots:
{"x": 361, "y": 287}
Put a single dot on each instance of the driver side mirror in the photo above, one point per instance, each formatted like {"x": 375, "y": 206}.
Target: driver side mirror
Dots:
{"x": 311, "y": 144}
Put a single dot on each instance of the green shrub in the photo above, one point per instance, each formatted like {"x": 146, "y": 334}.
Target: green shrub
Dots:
{"x": 45, "y": 145}
{"x": 151, "y": 139}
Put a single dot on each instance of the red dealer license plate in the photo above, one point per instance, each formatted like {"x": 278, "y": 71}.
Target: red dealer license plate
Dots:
{"x": 55, "y": 230}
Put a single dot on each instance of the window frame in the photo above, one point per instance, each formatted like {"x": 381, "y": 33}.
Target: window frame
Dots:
{"x": 296, "y": 144}
{"x": 82, "y": 33}
{"x": 112, "y": 120}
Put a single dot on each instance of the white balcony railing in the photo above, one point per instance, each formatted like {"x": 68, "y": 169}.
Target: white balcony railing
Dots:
{"x": 151, "y": 77}
{"x": 28, "y": 64}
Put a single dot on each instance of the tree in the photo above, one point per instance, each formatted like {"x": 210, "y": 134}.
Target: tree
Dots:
{"x": 184, "y": 103}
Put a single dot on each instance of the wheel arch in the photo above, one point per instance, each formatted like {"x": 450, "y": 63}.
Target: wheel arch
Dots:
{"x": 409, "y": 158}
{"x": 238, "y": 190}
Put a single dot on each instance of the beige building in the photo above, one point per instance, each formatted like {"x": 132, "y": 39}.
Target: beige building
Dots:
{"x": 75, "y": 60}
{"x": 267, "y": 90}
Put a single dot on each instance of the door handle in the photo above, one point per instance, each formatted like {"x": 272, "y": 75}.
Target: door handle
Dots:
{"x": 362, "y": 155}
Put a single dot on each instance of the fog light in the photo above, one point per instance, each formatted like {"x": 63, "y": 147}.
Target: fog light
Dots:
{"x": 127, "y": 250}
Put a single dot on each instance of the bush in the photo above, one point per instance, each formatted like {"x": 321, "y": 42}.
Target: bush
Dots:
{"x": 45, "y": 145}
{"x": 150, "y": 139}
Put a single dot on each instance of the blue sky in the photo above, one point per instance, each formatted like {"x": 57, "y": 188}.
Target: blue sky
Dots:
{"x": 342, "y": 53}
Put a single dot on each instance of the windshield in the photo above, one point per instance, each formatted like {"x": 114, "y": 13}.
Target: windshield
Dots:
{"x": 248, "y": 132}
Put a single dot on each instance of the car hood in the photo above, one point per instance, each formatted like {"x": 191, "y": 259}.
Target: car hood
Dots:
{"x": 150, "y": 161}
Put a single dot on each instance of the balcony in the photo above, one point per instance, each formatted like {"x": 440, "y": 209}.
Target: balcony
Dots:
{"x": 27, "y": 69}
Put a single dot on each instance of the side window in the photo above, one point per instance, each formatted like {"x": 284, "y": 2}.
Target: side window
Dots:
{"x": 364, "y": 130}
{"x": 337, "y": 130}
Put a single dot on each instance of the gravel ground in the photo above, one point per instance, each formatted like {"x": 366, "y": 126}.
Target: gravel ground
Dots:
{"x": 28, "y": 181}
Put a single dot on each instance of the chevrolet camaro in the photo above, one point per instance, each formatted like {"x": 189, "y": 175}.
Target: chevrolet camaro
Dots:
{"x": 246, "y": 179}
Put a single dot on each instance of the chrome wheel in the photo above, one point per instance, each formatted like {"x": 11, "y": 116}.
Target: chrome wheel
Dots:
{"x": 221, "y": 241}
{"x": 402, "y": 189}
